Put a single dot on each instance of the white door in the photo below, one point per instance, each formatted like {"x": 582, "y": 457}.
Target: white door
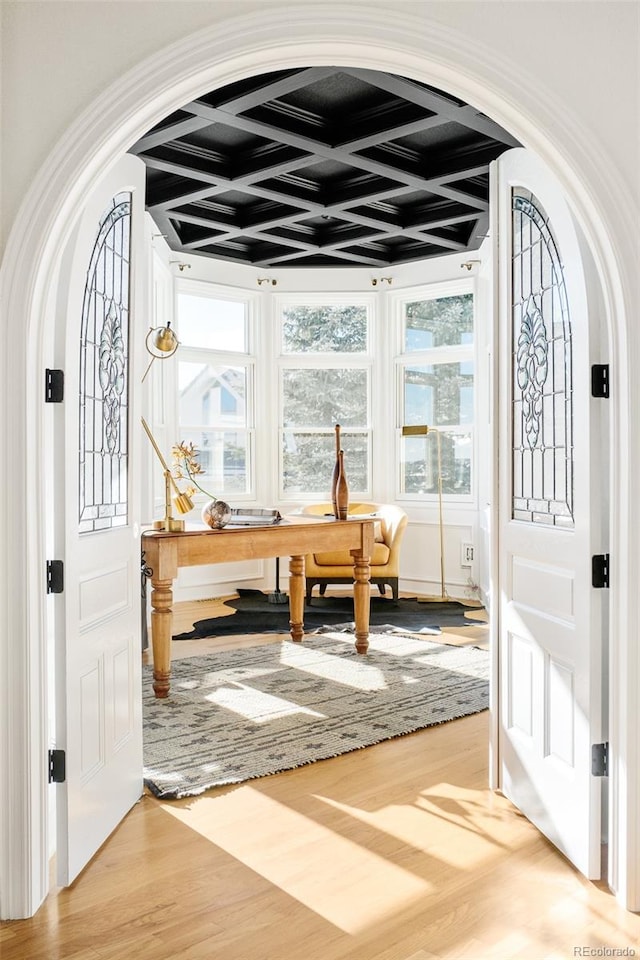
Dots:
{"x": 98, "y": 646}
{"x": 550, "y": 642}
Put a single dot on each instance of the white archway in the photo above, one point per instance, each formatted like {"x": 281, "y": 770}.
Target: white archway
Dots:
{"x": 297, "y": 34}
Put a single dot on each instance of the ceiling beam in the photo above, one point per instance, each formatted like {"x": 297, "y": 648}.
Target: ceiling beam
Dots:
{"x": 405, "y": 89}
{"x": 320, "y": 150}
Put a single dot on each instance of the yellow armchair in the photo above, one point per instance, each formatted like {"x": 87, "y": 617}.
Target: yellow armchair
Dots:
{"x": 337, "y": 567}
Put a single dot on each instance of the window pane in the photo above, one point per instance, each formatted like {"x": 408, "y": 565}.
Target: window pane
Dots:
{"x": 419, "y": 463}
{"x": 222, "y": 454}
{"x": 439, "y": 394}
{"x": 212, "y": 394}
{"x": 210, "y": 323}
{"x": 324, "y": 397}
{"x": 444, "y": 322}
{"x": 324, "y": 329}
{"x": 308, "y": 460}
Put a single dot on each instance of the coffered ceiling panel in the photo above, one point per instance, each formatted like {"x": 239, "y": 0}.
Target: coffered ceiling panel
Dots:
{"x": 324, "y": 166}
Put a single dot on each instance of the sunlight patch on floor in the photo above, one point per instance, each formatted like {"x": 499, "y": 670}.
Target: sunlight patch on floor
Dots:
{"x": 467, "y": 831}
{"x": 356, "y": 673}
{"x": 338, "y": 879}
{"x": 255, "y": 705}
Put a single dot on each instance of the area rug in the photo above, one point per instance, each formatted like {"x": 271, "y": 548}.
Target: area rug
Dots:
{"x": 254, "y": 614}
{"x": 236, "y": 715}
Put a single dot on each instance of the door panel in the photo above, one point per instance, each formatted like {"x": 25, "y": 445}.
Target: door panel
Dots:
{"x": 549, "y": 630}
{"x": 98, "y": 647}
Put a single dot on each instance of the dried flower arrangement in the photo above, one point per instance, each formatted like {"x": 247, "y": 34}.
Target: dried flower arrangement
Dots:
{"x": 186, "y": 466}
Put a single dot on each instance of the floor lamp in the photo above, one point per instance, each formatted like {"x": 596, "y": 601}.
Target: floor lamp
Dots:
{"x": 421, "y": 430}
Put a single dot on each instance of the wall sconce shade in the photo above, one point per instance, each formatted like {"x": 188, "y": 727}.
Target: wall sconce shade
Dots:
{"x": 161, "y": 343}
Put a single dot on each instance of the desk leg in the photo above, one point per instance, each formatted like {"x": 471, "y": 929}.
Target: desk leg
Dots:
{"x": 161, "y": 622}
{"x": 296, "y": 598}
{"x": 361, "y": 597}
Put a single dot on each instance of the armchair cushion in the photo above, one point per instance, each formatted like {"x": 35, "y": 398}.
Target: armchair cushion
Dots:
{"x": 342, "y": 558}
{"x": 337, "y": 566}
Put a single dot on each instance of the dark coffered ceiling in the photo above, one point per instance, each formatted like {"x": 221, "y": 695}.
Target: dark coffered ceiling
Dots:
{"x": 324, "y": 166}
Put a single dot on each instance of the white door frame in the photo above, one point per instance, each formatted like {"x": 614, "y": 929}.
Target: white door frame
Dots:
{"x": 295, "y": 34}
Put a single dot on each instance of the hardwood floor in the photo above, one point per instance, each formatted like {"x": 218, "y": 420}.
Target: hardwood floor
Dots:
{"x": 396, "y": 852}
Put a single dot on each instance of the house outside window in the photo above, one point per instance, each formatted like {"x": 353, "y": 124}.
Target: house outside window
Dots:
{"x": 216, "y": 376}
{"x": 435, "y": 378}
{"x": 325, "y": 369}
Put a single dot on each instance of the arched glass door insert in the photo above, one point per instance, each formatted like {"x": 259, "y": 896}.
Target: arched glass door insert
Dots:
{"x": 104, "y": 380}
{"x": 542, "y": 371}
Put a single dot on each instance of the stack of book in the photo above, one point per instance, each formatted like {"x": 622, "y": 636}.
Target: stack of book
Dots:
{"x": 253, "y": 517}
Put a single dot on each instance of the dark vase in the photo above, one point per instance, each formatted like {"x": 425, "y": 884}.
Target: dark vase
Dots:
{"x": 342, "y": 490}
{"x": 336, "y": 471}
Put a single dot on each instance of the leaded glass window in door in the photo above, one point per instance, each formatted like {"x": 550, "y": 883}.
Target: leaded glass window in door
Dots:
{"x": 541, "y": 371}
{"x": 104, "y": 377}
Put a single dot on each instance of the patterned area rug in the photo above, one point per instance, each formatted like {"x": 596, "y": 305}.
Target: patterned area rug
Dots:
{"x": 246, "y": 713}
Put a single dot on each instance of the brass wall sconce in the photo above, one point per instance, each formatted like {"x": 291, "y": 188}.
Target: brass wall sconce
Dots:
{"x": 270, "y": 280}
{"x": 161, "y": 343}
{"x": 376, "y": 280}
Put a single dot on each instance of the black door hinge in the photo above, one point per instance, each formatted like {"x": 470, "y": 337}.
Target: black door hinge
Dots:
{"x": 600, "y": 759}
{"x": 600, "y": 570}
{"x": 53, "y": 386}
{"x": 55, "y": 576}
{"x": 57, "y": 766}
{"x": 600, "y": 380}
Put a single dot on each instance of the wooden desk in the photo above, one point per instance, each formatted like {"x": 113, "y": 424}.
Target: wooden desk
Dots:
{"x": 293, "y": 537}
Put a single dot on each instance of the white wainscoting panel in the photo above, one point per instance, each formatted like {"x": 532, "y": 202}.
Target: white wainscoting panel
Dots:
{"x": 104, "y": 594}
{"x": 532, "y": 581}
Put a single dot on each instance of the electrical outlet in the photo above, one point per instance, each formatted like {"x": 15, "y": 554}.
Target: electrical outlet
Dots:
{"x": 466, "y": 554}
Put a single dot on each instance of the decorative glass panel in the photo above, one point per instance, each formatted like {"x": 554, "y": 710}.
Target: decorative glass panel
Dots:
{"x": 104, "y": 374}
{"x": 542, "y": 371}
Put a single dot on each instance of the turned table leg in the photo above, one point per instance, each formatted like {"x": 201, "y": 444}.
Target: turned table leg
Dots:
{"x": 296, "y": 598}
{"x": 161, "y": 621}
{"x": 361, "y": 599}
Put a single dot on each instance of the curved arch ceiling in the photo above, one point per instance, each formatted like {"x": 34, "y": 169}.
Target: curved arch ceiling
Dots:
{"x": 322, "y": 166}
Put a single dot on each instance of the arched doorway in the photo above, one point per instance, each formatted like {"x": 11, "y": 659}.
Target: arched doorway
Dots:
{"x": 248, "y": 45}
